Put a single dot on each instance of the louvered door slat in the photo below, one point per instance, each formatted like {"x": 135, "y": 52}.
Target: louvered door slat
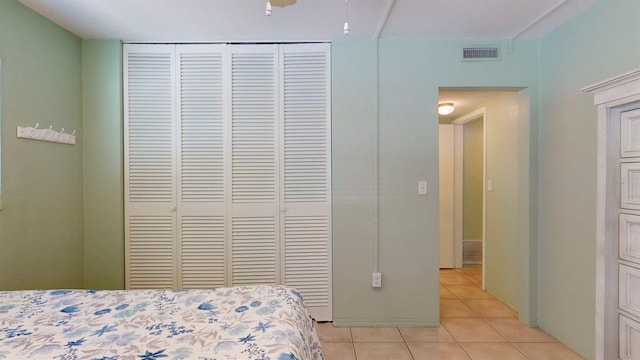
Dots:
{"x": 253, "y": 127}
{"x": 150, "y": 127}
{"x": 150, "y": 169}
{"x": 203, "y": 249}
{"x": 201, "y": 112}
{"x": 306, "y": 262}
{"x": 305, "y": 127}
{"x": 253, "y": 251}
{"x": 150, "y": 248}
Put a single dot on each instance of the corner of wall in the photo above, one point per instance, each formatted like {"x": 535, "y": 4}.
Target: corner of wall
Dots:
{"x": 103, "y": 164}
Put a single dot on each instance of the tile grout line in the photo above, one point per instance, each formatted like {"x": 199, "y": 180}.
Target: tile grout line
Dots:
{"x": 405, "y": 344}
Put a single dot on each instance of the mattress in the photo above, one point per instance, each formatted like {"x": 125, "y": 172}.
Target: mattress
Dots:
{"x": 261, "y": 322}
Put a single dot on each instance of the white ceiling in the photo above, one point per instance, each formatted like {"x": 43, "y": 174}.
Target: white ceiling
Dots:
{"x": 307, "y": 20}
{"x": 313, "y": 20}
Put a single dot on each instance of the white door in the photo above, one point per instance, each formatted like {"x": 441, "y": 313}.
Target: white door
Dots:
{"x": 150, "y": 167}
{"x": 305, "y": 173}
{"x": 629, "y": 237}
{"x": 254, "y": 213}
{"x": 201, "y": 207}
{"x": 447, "y": 150}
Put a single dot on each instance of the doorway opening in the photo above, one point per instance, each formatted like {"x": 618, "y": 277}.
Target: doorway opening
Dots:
{"x": 484, "y": 190}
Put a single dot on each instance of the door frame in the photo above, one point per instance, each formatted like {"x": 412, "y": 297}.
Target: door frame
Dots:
{"x": 458, "y": 174}
{"x": 610, "y": 96}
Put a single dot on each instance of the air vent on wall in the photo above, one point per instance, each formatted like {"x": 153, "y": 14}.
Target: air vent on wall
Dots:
{"x": 480, "y": 53}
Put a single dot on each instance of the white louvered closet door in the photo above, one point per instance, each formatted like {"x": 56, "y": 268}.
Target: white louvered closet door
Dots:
{"x": 305, "y": 178}
{"x": 227, "y": 167}
{"x": 150, "y": 166}
{"x": 253, "y": 153}
{"x": 201, "y": 168}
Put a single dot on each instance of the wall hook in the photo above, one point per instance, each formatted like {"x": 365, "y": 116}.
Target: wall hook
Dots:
{"x": 46, "y": 134}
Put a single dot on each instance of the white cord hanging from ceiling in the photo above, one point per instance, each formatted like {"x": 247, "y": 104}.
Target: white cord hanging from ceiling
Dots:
{"x": 346, "y": 28}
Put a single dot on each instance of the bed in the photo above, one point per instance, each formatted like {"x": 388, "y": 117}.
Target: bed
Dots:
{"x": 261, "y": 322}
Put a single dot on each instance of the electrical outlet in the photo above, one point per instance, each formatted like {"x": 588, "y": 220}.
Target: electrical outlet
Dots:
{"x": 422, "y": 187}
{"x": 376, "y": 280}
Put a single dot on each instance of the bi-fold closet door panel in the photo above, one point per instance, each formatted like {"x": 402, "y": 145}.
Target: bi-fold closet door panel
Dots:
{"x": 227, "y": 169}
{"x": 201, "y": 207}
{"x": 255, "y": 248}
{"x": 305, "y": 173}
{"x": 150, "y": 166}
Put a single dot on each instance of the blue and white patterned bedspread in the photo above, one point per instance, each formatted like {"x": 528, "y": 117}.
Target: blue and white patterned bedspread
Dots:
{"x": 261, "y": 322}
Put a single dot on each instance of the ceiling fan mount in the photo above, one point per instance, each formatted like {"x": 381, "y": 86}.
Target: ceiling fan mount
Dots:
{"x": 282, "y": 3}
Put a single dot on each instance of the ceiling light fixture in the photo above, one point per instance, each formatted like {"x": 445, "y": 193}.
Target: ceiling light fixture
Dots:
{"x": 445, "y": 108}
{"x": 346, "y": 18}
{"x": 268, "y": 10}
{"x": 282, "y": 3}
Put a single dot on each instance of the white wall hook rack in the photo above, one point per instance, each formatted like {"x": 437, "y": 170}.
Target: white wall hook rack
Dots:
{"x": 47, "y": 134}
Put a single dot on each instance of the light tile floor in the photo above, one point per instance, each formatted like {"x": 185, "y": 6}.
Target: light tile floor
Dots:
{"x": 474, "y": 325}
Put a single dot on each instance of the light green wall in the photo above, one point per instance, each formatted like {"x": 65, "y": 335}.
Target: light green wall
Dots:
{"x": 353, "y": 146}
{"x": 411, "y": 71}
{"x": 41, "y": 222}
{"x": 102, "y": 164}
{"x": 598, "y": 44}
{"x": 502, "y": 202}
{"x": 472, "y": 180}
{"x": 527, "y": 237}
